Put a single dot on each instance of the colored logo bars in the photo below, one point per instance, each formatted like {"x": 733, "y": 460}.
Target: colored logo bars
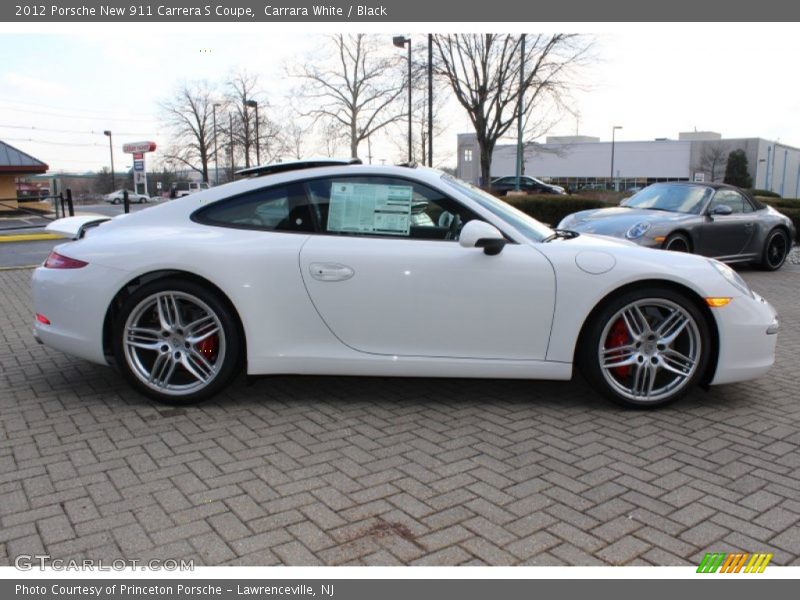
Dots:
{"x": 734, "y": 563}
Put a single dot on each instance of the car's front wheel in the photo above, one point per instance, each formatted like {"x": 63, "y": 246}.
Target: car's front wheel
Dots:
{"x": 176, "y": 341}
{"x": 646, "y": 347}
{"x": 678, "y": 242}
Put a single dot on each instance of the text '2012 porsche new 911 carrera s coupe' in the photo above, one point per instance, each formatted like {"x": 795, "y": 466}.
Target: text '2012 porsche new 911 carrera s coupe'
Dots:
{"x": 335, "y": 268}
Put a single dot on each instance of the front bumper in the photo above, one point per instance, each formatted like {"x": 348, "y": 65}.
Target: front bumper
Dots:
{"x": 748, "y": 329}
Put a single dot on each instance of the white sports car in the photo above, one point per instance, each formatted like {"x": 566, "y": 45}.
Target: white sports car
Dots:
{"x": 350, "y": 269}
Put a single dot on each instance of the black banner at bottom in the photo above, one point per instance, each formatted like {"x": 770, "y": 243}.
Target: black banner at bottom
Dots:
{"x": 705, "y": 587}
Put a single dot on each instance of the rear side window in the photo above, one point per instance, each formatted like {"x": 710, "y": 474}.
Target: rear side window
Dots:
{"x": 280, "y": 208}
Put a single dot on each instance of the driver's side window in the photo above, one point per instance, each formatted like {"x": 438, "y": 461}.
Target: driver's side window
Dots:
{"x": 728, "y": 198}
{"x": 386, "y": 207}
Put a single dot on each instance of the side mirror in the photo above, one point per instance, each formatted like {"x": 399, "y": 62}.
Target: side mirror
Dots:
{"x": 721, "y": 209}
{"x": 479, "y": 234}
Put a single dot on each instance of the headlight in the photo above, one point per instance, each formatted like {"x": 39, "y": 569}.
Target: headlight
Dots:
{"x": 637, "y": 230}
{"x": 732, "y": 276}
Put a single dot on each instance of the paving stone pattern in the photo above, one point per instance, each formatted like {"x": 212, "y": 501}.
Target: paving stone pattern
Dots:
{"x": 368, "y": 471}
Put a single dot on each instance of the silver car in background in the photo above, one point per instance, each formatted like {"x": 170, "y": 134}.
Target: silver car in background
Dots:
{"x": 711, "y": 219}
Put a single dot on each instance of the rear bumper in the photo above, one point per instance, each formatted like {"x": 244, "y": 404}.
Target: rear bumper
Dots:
{"x": 748, "y": 332}
{"x": 75, "y": 302}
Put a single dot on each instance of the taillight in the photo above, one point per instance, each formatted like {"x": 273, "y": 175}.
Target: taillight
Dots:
{"x": 58, "y": 261}
{"x": 42, "y": 319}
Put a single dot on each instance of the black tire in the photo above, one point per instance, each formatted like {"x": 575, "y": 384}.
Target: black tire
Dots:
{"x": 610, "y": 382}
{"x": 776, "y": 249}
{"x": 115, "y": 201}
{"x": 677, "y": 242}
{"x": 192, "y": 300}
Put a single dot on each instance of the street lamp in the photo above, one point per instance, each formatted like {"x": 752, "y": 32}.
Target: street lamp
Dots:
{"x": 613, "y": 136}
{"x": 401, "y": 41}
{"x": 111, "y": 149}
{"x": 216, "y": 163}
{"x": 254, "y": 104}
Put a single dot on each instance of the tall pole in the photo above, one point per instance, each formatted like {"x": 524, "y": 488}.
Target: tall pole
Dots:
{"x": 613, "y": 141}
{"x": 111, "y": 150}
{"x": 410, "y": 150}
{"x": 216, "y": 162}
{"x": 233, "y": 166}
{"x": 258, "y": 140}
{"x": 766, "y": 175}
{"x": 520, "y": 109}
{"x": 430, "y": 99}
{"x": 783, "y": 177}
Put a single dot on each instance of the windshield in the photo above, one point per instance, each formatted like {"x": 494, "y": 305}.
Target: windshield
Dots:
{"x": 527, "y": 226}
{"x": 688, "y": 199}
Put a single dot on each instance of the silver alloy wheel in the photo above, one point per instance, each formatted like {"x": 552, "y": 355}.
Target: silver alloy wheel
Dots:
{"x": 649, "y": 350}
{"x": 174, "y": 343}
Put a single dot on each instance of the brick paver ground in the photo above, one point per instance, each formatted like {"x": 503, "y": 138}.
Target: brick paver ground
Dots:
{"x": 326, "y": 470}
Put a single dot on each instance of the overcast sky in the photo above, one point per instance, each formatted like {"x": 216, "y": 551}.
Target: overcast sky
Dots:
{"x": 59, "y": 92}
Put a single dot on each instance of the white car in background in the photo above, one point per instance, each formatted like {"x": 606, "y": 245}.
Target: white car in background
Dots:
{"x": 118, "y": 197}
{"x": 350, "y": 269}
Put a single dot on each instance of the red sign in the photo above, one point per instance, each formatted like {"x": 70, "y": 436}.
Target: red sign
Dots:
{"x": 139, "y": 147}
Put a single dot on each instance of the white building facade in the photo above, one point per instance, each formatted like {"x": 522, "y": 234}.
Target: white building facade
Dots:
{"x": 581, "y": 161}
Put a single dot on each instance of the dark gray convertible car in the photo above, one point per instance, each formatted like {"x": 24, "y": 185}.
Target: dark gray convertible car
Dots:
{"x": 712, "y": 219}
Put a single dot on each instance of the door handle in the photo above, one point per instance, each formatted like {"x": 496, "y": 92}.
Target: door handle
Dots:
{"x": 330, "y": 271}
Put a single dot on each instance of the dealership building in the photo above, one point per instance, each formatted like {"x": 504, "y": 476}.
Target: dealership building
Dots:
{"x": 579, "y": 161}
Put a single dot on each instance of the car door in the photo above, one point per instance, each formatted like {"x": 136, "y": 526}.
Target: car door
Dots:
{"x": 723, "y": 236}
{"x": 388, "y": 280}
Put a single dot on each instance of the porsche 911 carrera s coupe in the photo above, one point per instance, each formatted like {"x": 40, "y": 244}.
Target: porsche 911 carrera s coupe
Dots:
{"x": 335, "y": 268}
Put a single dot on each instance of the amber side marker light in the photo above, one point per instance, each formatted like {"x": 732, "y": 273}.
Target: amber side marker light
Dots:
{"x": 717, "y": 302}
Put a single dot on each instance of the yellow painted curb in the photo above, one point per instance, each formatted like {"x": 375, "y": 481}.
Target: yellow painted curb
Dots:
{"x": 30, "y": 237}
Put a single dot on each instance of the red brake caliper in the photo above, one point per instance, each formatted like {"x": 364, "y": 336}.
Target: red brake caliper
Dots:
{"x": 619, "y": 336}
{"x": 208, "y": 347}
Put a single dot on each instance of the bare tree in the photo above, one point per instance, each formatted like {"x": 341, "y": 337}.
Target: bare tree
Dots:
{"x": 189, "y": 116}
{"x": 714, "y": 159}
{"x": 356, "y": 90}
{"x": 295, "y": 136}
{"x": 484, "y": 72}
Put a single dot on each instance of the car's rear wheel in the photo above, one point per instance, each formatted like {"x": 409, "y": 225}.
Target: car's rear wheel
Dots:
{"x": 646, "y": 348}
{"x": 176, "y": 341}
{"x": 677, "y": 242}
{"x": 776, "y": 249}
{"x": 115, "y": 201}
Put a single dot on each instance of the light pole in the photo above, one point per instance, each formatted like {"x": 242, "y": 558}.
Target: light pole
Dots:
{"x": 401, "y": 41}
{"x": 254, "y": 104}
{"x": 613, "y": 141}
{"x": 216, "y": 163}
{"x": 521, "y": 108}
{"x": 430, "y": 99}
{"x": 111, "y": 149}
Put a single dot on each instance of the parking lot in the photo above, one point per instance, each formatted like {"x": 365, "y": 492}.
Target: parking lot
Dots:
{"x": 324, "y": 470}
